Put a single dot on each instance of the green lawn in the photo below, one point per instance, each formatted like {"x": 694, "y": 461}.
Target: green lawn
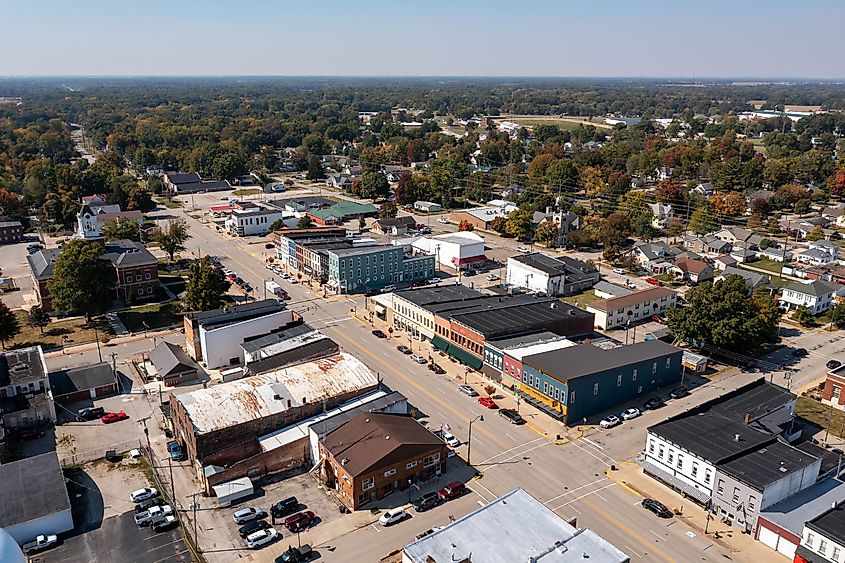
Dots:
{"x": 766, "y": 264}
{"x": 581, "y": 299}
{"x": 821, "y": 415}
{"x": 168, "y": 203}
{"x": 74, "y": 330}
{"x": 156, "y": 315}
{"x": 246, "y": 191}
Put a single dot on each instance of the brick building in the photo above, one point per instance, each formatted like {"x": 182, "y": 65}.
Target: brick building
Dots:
{"x": 375, "y": 454}
{"x": 10, "y": 231}
{"x": 221, "y": 425}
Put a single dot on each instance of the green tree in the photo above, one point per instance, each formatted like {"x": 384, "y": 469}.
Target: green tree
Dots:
{"x": 816, "y": 234}
{"x": 315, "y": 169}
{"x": 388, "y": 210}
{"x": 519, "y": 224}
{"x": 614, "y": 231}
{"x": 304, "y": 222}
{"x": 173, "y": 237}
{"x": 564, "y": 174}
{"x": 703, "y": 220}
{"x": 9, "y": 325}
{"x": 82, "y": 281}
{"x": 837, "y": 315}
{"x": 499, "y": 224}
{"x": 38, "y": 318}
{"x": 802, "y": 315}
{"x": 726, "y": 314}
{"x": 205, "y": 288}
{"x": 374, "y": 185}
{"x": 121, "y": 228}
{"x": 277, "y": 225}
{"x": 547, "y": 233}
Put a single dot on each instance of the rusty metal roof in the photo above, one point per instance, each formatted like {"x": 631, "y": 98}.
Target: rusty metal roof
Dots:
{"x": 264, "y": 395}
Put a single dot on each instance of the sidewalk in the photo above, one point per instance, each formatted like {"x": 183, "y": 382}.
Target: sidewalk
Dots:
{"x": 742, "y": 547}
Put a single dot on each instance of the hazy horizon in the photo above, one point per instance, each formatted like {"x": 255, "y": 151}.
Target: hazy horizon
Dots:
{"x": 615, "y": 39}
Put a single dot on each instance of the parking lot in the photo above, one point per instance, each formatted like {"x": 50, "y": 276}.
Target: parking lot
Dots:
{"x": 15, "y": 266}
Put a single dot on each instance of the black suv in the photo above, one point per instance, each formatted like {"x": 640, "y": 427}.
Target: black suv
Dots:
{"x": 512, "y": 416}
{"x": 284, "y": 507}
{"x": 657, "y": 507}
{"x": 653, "y": 404}
{"x": 679, "y": 392}
{"x": 252, "y": 527}
{"x": 427, "y": 502}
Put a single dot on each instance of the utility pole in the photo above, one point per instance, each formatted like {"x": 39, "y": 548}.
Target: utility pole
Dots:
{"x": 469, "y": 441}
{"x": 194, "y": 508}
{"x": 97, "y": 337}
{"x": 147, "y": 434}
{"x": 172, "y": 485}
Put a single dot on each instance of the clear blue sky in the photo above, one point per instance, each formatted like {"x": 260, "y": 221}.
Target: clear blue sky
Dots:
{"x": 679, "y": 38}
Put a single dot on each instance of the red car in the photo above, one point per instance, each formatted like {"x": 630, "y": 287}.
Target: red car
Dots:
{"x": 452, "y": 490}
{"x": 299, "y": 521}
{"x": 110, "y": 417}
{"x": 488, "y": 402}
{"x": 653, "y": 281}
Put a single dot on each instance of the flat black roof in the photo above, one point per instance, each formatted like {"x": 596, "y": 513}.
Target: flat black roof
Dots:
{"x": 757, "y": 399}
{"x": 519, "y": 314}
{"x": 769, "y": 464}
{"x": 32, "y": 488}
{"x": 305, "y": 353}
{"x": 439, "y": 294}
{"x": 82, "y": 378}
{"x": 830, "y": 523}
{"x": 288, "y": 331}
{"x": 565, "y": 364}
{"x": 238, "y": 311}
{"x": 23, "y": 364}
{"x": 554, "y": 265}
{"x": 511, "y": 341}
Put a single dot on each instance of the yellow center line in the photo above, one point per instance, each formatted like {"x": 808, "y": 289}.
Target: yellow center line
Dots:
{"x": 636, "y": 537}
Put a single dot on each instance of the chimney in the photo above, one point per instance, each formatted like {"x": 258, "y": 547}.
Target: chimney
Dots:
{"x": 288, "y": 403}
{"x": 737, "y": 437}
{"x": 747, "y": 418}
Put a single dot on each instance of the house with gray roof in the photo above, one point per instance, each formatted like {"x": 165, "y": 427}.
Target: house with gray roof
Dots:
{"x": 816, "y": 295}
{"x": 173, "y": 365}
{"x": 650, "y": 254}
{"x": 752, "y": 279}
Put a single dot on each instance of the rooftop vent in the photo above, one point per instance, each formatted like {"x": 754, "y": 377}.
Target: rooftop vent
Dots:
{"x": 737, "y": 437}
{"x": 344, "y": 461}
{"x": 387, "y": 437}
{"x": 783, "y": 469}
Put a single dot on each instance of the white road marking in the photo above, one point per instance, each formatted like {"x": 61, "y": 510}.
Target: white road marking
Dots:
{"x": 569, "y": 492}
{"x": 481, "y": 503}
{"x": 374, "y": 528}
{"x": 658, "y": 536}
{"x": 582, "y": 496}
{"x": 591, "y": 442}
{"x": 632, "y": 551}
{"x": 516, "y": 447}
{"x": 511, "y": 437}
{"x": 489, "y": 492}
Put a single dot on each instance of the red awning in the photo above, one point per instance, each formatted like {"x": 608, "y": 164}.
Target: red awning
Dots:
{"x": 469, "y": 260}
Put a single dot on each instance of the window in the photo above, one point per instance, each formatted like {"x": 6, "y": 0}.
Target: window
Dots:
{"x": 735, "y": 497}
{"x": 660, "y": 451}
{"x": 634, "y": 377}
{"x": 752, "y": 502}
{"x": 572, "y": 398}
{"x": 619, "y": 380}
{"x": 545, "y": 388}
{"x": 129, "y": 278}
{"x": 695, "y": 469}
{"x": 822, "y": 546}
{"x": 390, "y": 472}
{"x": 537, "y": 383}
{"x": 650, "y": 446}
{"x": 654, "y": 367}
{"x": 837, "y": 392}
{"x": 835, "y": 554}
{"x": 707, "y": 475}
{"x": 595, "y": 388}
{"x": 411, "y": 465}
{"x": 810, "y": 539}
{"x": 721, "y": 487}
{"x": 368, "y": 483}
{"x": 140, "y": 291}
{"x": 640, "y": 389}
{"x": 668, "y": 363}
{"x": 557, "y": 394}
{"x": 680, "y": 461}
{"x": 428, "y": 461}
{"x": 671, "y": 457}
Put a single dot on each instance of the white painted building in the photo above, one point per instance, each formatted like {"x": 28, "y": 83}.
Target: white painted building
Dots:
{"x": 823, "y": 537}
{"x": 453, "y": 250}
{"x": 816, "y": 295}
{"x": 552, "y": 275}
{"x": 221, "y": 344}
{"x": 252, "y": 221}
{"x": 427, "y": 206}
{"x": 634, "y": 307}
{"x": 820, "y": 253}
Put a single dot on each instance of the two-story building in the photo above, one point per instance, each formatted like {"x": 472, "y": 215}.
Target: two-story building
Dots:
{"x": 412, "y": 314}
{"x": 650, "y": 255}
{"x": 820, "y": 253}
{"x": 252, "y": 221}
{"x": 823, "y": 537}
{"x": 10, "y": 232}
{"x": 26, "y": 399}
{"x": 358, "y": 269}
{"x": 95, "y": 212}
{"x": 661, "y": 215}
{"x": 632, "y": 308}
{"x": 817, "y": 296}
{"x": 552, "y": 275}
{"x": 374, "y": 454}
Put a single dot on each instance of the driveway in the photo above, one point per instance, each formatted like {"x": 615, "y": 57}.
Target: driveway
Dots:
{"x": 15, "y": 266}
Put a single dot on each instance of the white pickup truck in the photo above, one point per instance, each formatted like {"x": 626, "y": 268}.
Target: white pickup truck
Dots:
{"x": 41, "y": 543}
{"x": 154, "y": 514}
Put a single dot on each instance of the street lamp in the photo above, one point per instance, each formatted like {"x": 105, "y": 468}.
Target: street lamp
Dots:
{"x": 469, "y": 438}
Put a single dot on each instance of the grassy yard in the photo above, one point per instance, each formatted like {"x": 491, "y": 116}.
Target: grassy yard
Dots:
{"x": 168, "y": 203}
{"x": 569, "y": 123}
{"x": 821, "y": 415}
{"x": 246, "y": 191}
{"x": 581, "y": 299}
{"x": 75, "y": 330}
{"x": 766, "y": 264}
{"x": 156, "y": 315}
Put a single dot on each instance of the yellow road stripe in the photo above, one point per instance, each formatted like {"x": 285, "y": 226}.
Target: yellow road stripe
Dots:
{"x": 637, "y": 538}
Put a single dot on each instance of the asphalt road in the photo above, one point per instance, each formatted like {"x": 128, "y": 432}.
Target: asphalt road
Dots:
{"x": 570, "y": 478}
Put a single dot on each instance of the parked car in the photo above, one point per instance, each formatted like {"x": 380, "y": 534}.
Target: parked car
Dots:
{"x": 379, "y": 334}
{"x": 252, "y": 527}
{"x": 492, "y": 277}
{"x": 299, "y": 521}
{"x": 404, "y": 349}
{"x": 269, "y": 246}
{"x": 653, "y": 281}
{"x": 284, "y": 507}
{"x": 512, "y": 416}
{"x": 433, "y": 280}
{"x": 244, "y": 515}
{"x": 619, "y": 271}
{"x": 833, "y": 364}
{"x": 28, "y": 434}
{"x": 436, "y": 368}
{"x": 654, "y": 403}
{"x": 487, "y": 402}
{"x": 523, "y": 250}
{"x": 467, "y": 390}
{"x": 388, "y": 289}
{"x": 145, "y": 505}
{"x": 452, "y": 490}
{"x": 427, "y": 502}
{"x": 175, "y": 451}
{"x": 657, "y": 507}
{"x": 295, "y": 554}
{"x": 261, "y": 538}
{"x": 41, "y": 543}
{"x": 610, "y": 421}
{"x": 111, "y": 417}
{"x": 657, "y": 318}
{"x": 628, "y": 414}
{"x": 419, "y": 359}
{"x": 679, "y": 392}
{"x": 143, "y": 494}
{"x": 392, "y": 516}
{"x": 165, "y": 523}
{"x": 153, "y": 514}
{"x": 451, "y": 440}
{"x": 90, "y": 413}
{"x": 799, "y": 352}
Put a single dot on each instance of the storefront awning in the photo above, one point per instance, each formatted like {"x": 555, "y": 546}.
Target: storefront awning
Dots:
{"x": 439, "y": 343}
{"x": 469, "y": 260}
{"x": 465, "y": 357}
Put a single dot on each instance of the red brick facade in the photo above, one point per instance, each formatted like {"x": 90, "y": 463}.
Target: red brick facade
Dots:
{"x": 834, "y": 390}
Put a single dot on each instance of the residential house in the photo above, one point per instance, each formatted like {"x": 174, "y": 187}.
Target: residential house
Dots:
{"x": 654, "y": 255}
{"x": 173, "y": 365}
{"x": 26, "y": 400}
{"x": 85, "y": 383}
{"x": 707, "y": 245}
{"x": 481, "y": 218}
{"x": 723, "y": 262}
{"x": 632, "y": 308}
{"x": 704, "y": 189}
{"x": 339, "y": 181}
{"x": 661, "y": 215}
{"x": 754, "y": 195}
{"x": 395, "y": 227}
{"x": 375, "y": 454}
{"x": 775, "y": 252}
{"x": 222, "y": 424}
{"x": 551, "y": 275}
{"x": 835, "y": 214}
{"x": 691, "y": 270}
{"x": 820, "y": 253}
{"x": 577, "y": 382}
{"x": 738, "y": 237}
{"x": 664, "y": 173}
{"x": 823, "y": 537}
{"x": 753, "y": 280}
{"x": 549, "y": 538}
{"x": 462, "y": 250}
{"x": 10, "y": 232}
{"x": 427, "y": 207}
{"x": 816, "y": 295}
